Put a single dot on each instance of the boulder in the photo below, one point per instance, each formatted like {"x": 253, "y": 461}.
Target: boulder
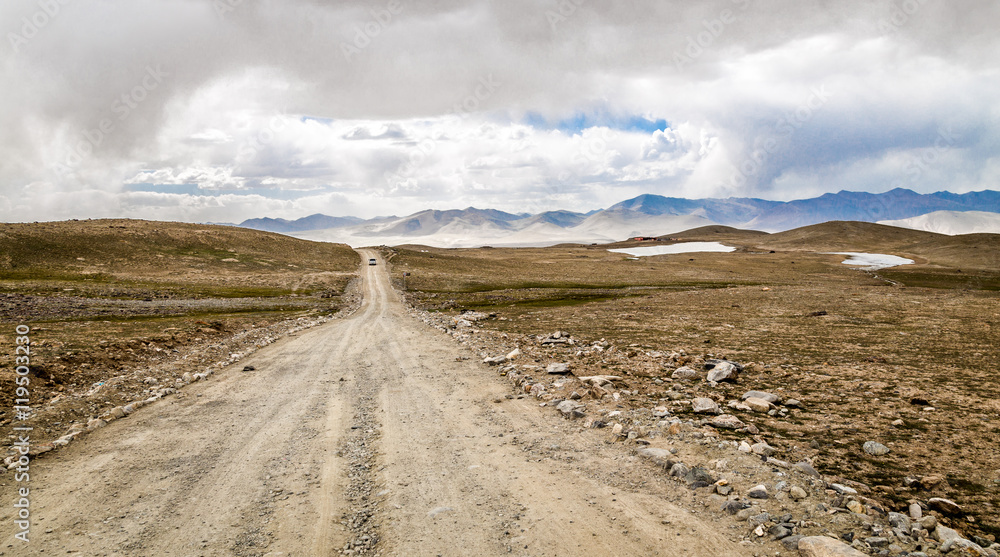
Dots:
{"x": 727, "y": 421}
{"x": 570, "y": 409}
{"x": 875, "y": 448}
{"x": 722, "y": 371}
{"x": 757, "y": 492}
{"x": 757, "y": 404}
{"x": 684, "y": 373}
{"x": 822, "y": 546}
{"x": 557, "y": 369}
{"x": 769, "y": 397}
{"x": 944, "y": 506}
{"x": 705, "y": 406}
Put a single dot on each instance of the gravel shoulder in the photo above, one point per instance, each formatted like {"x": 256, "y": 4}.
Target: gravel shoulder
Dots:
{"x": 370, "y": 435}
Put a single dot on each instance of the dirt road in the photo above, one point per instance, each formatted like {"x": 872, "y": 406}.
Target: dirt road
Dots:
{"x": 374, "y": 433}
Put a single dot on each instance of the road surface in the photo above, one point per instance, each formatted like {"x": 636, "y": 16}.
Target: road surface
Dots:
{"x": 374, "y": 433}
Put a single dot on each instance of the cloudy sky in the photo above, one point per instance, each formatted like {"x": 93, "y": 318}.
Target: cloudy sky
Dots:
{"x": 222, "y": 110}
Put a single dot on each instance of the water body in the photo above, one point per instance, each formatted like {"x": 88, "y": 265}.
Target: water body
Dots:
{"x": 684, "y": 247}
{"x": 873, "y": 261}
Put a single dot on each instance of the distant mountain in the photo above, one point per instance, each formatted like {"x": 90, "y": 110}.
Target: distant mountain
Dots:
{"x": 645, "y": 215}
{"x": 844, "y": 205}
{"x": 952, "y": 222}
{"x": 312, "y": 222}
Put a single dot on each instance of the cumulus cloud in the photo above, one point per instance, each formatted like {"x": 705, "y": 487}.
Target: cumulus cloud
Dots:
{"x": 224, "y": 110}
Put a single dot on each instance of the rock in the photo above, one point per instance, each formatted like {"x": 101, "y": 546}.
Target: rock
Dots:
{"x": 877, "y": 541}
{"x": 513, "y": 354}
{"x": 758, "y": 519}
{"x": 822, "y": 546}
{"x": 943, "y": 534}
{"x": 249, "y": 368}
{"x": 762, "y": 449}
{"x": 807, "y": 468}
{"x": 616, "y": 430}
{"x": 875, "y": 448}
{"x": 843, "y": 489}
{"x": 721, "y": 371}
{"x": 744, "y": 447}
{"x": 856, "y": 507}
{"x": 705, "y": 406}
{"x": 733, "y": 507}
{"x": 791, "y": 543}
{"x": 944, "y": 506}
{"x": 901, "y": 521}
{"x": 779, "y": 531}
{"x": 915, "y": 511}
{"x": 187, "y": 378}
{"x": 966, "y": 547}
{"x": 723, "y": 489}
{"x": 96, "y": 423}
{"x": 757, "y": 404}
{"x": 769, "y": 397}
{"x": 117, "y": 412}
{"x": 928, "y": 522}
{"x": 757, "y": 492}
{"x": 679, "y": 470}
{"x": 684, "y": 373}
{"x": 727, "y": 421}
{"x": 793, "y": 403}
{"x": 797, "y": 493}
{"x": 556, "y": 369}
{"x": 495, "y": 360}
{"x": 661, "y": 412}
{"x": 571, "y": 409}
{"x": 699, "y": 475}
{"x": 660, "y": 457}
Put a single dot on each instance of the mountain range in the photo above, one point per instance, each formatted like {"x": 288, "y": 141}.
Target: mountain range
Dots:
{"x": 645, "y": 215}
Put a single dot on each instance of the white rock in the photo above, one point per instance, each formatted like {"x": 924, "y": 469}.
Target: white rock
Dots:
{"x": 822, "y": 546}
{"x": 705, "y": 406}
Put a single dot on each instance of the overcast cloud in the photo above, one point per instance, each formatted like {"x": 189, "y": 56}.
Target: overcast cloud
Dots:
{"x": 203, "y": 110}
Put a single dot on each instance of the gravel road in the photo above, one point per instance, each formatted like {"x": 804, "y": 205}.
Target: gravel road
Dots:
{"x": 371, "y": 435}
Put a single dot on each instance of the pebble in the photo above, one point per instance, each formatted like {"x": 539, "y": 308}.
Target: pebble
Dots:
{"x": 758, "y": 404}
{"x": 684, "y": 373}
{"x": 557, "y": 368}
{"x": 807, "y": 468}
{"x": 727, "y": 421}
{"x": 875, "y": 448}
{"x": 722, "y": 371}
{"x": 797, "y": 493}
{"x": 571, "y": 409}
{"x": 945, "y": 506}
{"x": 705, "y": 406}
{"x": 915, "y": 511}
{"x": 822, "y": 546}
{"x": 762, "y": 449}
{"x": 757, "y": 492}
{"x": 856, "y": 507}
{"x": 765, "y": 396}
{"x": 843, "y": 489}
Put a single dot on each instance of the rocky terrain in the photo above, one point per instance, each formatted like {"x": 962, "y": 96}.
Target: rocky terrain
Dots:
{"x": 699, "y": 419}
